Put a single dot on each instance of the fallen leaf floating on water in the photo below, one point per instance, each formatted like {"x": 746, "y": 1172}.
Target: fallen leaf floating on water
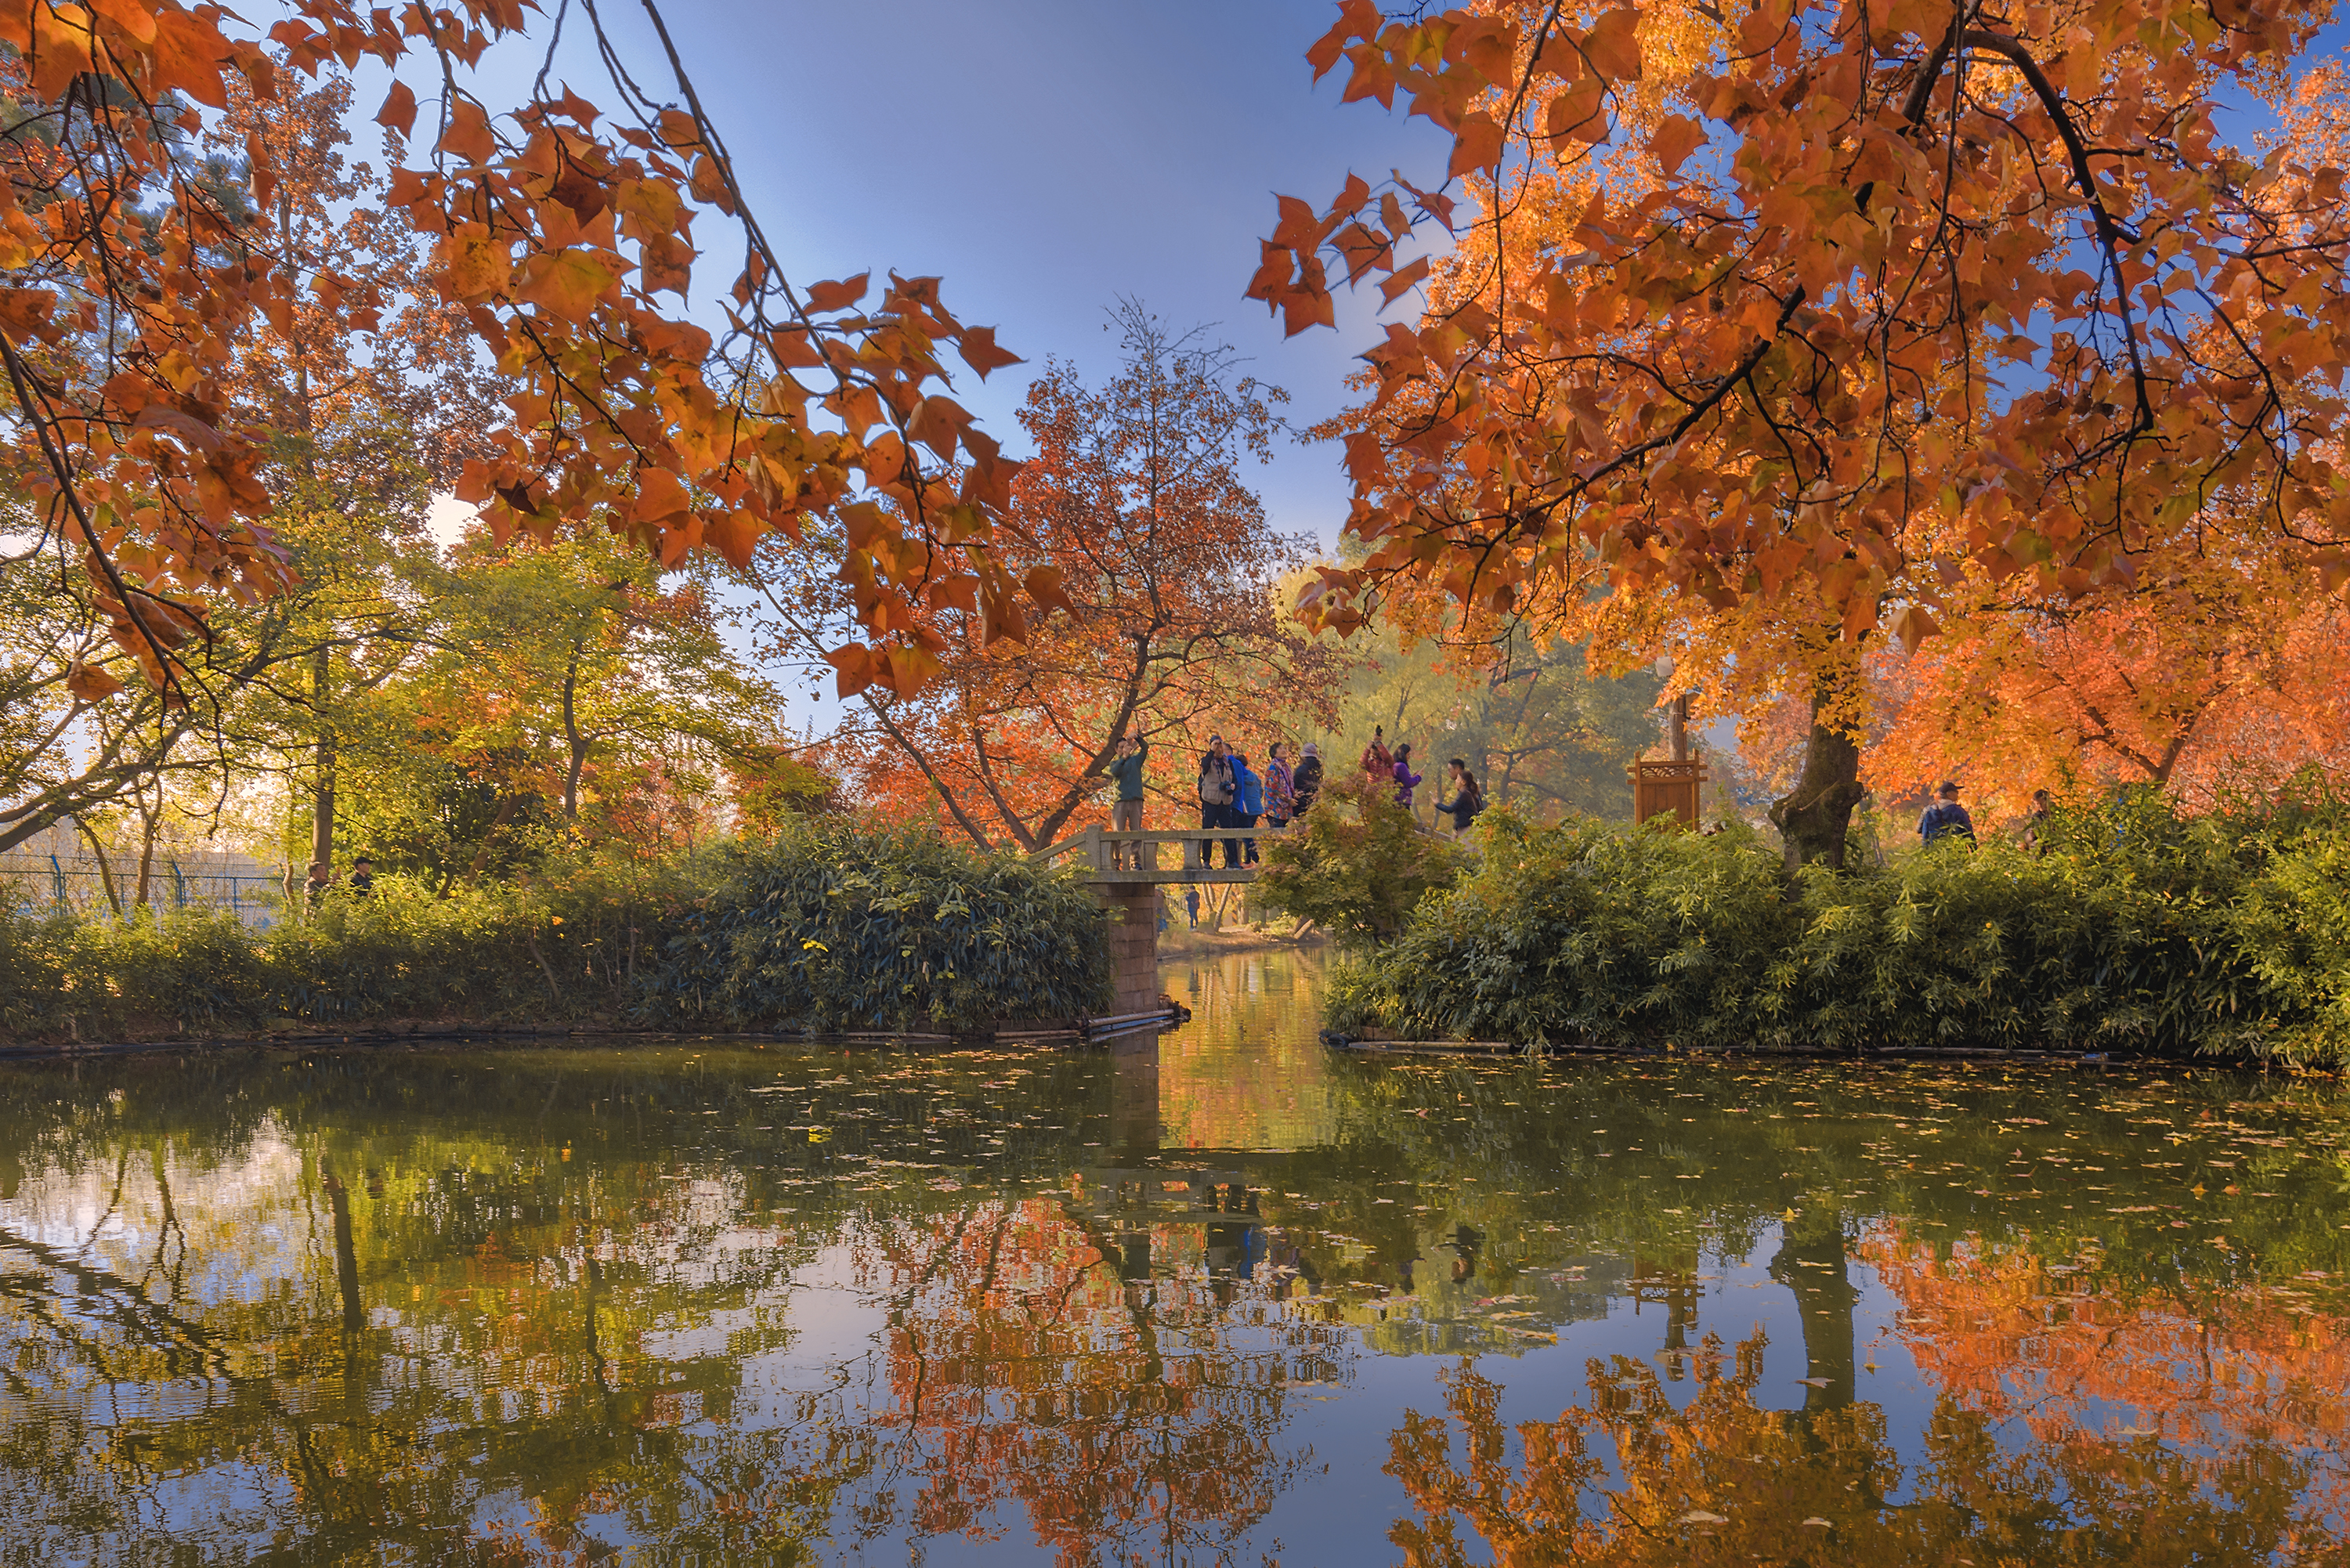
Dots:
{"x": 1816, "y": 1519}
{"x": 1814, "y": 1382}
{"x": 1700, "y": 1516}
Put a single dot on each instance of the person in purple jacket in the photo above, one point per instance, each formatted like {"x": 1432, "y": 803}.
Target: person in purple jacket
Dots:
{"x": 1406, "y": 779}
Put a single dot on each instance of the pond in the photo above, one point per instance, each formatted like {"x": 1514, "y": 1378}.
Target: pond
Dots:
{"x": 1232, "y": 1300}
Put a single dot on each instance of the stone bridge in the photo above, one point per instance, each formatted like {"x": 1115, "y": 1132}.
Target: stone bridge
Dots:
{"x": 1125, "y": 871}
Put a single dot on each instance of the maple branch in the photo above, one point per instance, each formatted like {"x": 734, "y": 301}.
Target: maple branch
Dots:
{"x": 2109, "y": 236}
{"x": 63, "y": 472}
{"x": 1704, "y": 406}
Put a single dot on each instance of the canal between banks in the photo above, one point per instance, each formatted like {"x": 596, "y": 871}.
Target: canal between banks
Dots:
{"x": 1233, "y": 1299}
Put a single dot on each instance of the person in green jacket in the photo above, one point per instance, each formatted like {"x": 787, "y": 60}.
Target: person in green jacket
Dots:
{"x": 1125, "y": 811}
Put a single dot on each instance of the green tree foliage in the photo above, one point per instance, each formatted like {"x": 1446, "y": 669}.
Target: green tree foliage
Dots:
{"x": 1355, "y": 865}
{"x": 1543, "y": 734}
{"x": 2131, "y": 927}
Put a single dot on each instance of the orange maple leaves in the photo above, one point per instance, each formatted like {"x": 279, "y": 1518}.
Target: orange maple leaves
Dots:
{"x": 1770, "y": 299}
{"x": 553, "y": 235}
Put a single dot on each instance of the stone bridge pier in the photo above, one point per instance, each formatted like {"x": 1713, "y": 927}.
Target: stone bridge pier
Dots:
{"x": 1125, "y": 873}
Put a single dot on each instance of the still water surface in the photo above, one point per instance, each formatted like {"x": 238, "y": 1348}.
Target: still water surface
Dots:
{"x": 1234, "y": 1300}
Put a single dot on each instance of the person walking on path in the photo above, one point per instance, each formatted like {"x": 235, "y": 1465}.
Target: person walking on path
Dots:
{"x": 1191, "y": 902}
{"x": 1466, "y": 800}
{"x": 1946, "y": 818}
{"x": 1280, "y": 789}
{"x": 1216, "y": 794}
{"x": 1378, "y": 761}
{"x": 1406, "y": 779}
{"x": 1248, "y": 801}
{"x": 1125, "y": 811}
{"x": 1307, "y": 783}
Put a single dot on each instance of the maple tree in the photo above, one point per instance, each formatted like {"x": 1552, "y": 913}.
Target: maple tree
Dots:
{"x": 135, "y": 268}
{"x": 2236, "y": 696}
{"x": 1134, "y": 522}
{"x": 1802, "y": 330}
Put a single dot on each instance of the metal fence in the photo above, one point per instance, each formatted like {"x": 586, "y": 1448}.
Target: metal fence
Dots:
{"x": 54, "y": 882}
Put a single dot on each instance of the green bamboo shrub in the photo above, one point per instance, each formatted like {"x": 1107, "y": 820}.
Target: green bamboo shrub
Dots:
{"x": 1584, "y": 932}
{"x": 828, "y": 925}
{"x": 2132, "y": 927}
{"x": 1356, "y": 864}
{"x": 566, "y": 947}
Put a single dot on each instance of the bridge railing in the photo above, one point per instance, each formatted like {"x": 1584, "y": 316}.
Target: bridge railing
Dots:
{"x": 1112, "y": 853}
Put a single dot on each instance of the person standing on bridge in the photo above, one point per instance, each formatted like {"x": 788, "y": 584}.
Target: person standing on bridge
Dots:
{"x": 1216, "y": 794}
{"x": 1248, "y": 801}
{"x": 1406, "y": 779}
{"x": 1307, "y": 784}
{"x": 1280, "y": 789}
{"x": 1125, "y": 811}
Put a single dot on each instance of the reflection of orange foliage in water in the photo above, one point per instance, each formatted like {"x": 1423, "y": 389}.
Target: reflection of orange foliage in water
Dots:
{"x": 2004, "y": 1334}
{"x": 1032, "y": 1362}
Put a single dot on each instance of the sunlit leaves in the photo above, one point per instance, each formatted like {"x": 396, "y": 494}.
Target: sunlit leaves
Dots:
{"x": 553, "y": 228}
{"x": 1733, "y": 327}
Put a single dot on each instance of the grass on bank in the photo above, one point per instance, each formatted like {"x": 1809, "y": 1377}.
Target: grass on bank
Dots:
{"x": 826, "y": 925}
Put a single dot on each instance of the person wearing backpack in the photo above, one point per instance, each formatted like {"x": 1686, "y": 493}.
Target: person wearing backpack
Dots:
{"x": 1216, "y": 794}
{"x": 1466, "y": 800}
{"x": 1248, "y": 801}
{"x": 1946, "y": 818}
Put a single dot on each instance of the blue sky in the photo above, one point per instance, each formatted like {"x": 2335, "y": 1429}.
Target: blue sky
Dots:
{"x": 1045, "y": 157}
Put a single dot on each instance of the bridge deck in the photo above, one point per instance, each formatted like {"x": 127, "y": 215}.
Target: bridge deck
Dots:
{"x": 1112, "y": 859}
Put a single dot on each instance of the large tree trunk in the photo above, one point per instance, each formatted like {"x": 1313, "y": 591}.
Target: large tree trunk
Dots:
{"x": 1815, "y": 819}
{"x": 1811, "y": 1263}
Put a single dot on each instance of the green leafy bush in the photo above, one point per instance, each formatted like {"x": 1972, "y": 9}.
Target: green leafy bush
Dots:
{"x": 823, "y": 925}
{"x": 1356, "y": 865}
{"x": 828, "y": 926}
{"x": 2131, "y": 927}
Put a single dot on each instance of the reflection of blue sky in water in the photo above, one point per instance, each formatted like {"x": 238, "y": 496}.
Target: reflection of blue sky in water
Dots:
{"x": 997, "y": 1307}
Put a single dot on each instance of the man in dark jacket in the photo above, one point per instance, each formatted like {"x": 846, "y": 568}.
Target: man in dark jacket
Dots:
{"x": 1306, "y": 782}
{"x": 1946, "y": 818}
{"x": 1216, "y": 796}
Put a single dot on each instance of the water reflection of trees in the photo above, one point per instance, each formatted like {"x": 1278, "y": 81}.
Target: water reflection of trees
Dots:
{"x": 512, "y": 1308}
{"x": 1132, "y": 1407}
{"x": 1628, "y": 1476}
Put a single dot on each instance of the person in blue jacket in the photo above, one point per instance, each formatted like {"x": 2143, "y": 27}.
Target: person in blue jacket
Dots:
{"x": 1946, "y": 818}
{"x": 1248, "y": 799}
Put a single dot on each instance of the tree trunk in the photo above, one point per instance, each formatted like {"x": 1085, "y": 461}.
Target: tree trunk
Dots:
{"x": 1679, "y": 728}
{"x": 105, "y": 871}
{"x": 1811, "y": 1263}
{"x": 1815, "y": 819}
{"x": 571, "y": 739}
{"x": 322, "y": 819}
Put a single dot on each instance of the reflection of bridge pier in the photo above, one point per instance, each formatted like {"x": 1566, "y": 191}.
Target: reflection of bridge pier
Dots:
{"x": 1134, "y": 1094}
